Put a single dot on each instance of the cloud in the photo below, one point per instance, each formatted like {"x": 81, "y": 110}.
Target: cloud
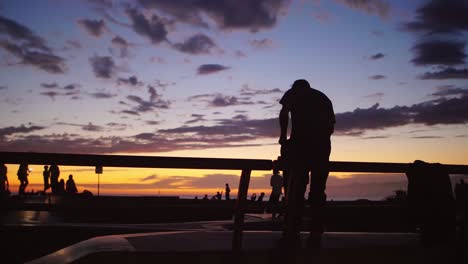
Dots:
{"x": 220, "y": 100}
{"x": 154, "y": 28}
{"x": 102, "y": 95}
{"x": 54, "y": 90}
{"x": 377, "y": 56}
{"x": 440, "y": 17}
{"x": 226, "y": 14}
{"x": 93, "y": 27}
{"x": 148, "y": 178}
{"x": 24, "y": 44}
{"x": 155, "y": 102}
{"x": 22, "y": 34}
{"x": 440, "y": 27}
{"x": 211, "y": 68}
{"x": 247, "y": 91}
{"x": 239, "y": 54}
{"x": 376, "y": 96}
{"x": 8, "y": 131}
{"x": 196, "y": 44}
{"x": 264, "y": 43}
{"x": 3, "y": 87}
{"x": 372, "y": 7}
{"x": 103, "y": 67}
{"x": 450, "y": 90}
{"x": 132, "y": 81}
{"x": 439, "y": 52}
{"x": 446, "y": 73}
{"x": 122, "y": 45}
{"x": 377, "y": 77}
{"x": 89, "y": 127}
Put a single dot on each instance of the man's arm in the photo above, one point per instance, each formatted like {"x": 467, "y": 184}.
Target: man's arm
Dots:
{"x": 283, "y": 120}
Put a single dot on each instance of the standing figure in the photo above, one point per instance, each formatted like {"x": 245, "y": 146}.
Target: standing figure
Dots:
{"x": 54, "y": 177}
{"x": 307, "y": 150}
{"x": 276, "y": 182}
{"x": 71, "y": 186}
{"x": 46, "y": 176}
{"x": 227, "y": 192}
{"x": 4, "y": 185}
{"x": 23, "y": 172}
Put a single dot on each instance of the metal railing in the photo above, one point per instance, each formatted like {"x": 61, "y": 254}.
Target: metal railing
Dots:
{"x": 246, "y": 166}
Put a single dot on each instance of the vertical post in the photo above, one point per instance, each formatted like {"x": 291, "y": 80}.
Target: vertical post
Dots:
{"x": 240, "y": 209}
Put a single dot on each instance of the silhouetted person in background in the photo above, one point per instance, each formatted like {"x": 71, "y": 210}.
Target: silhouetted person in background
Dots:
{"x": 54, "y": 176}
{"x": 307, "y": 150}
{"x": 46, "y": 176}
{"x": 227, "y": 192}
{"x": 23, "y": 172}
{"x": 276, "y": 182}
{"x": 260, "y": 198}
{"x": 253, "y": 198}
{"x": 219, "y": 195}
{"x": 205, "y": 197}
{"x": 60, "y": 187}
{"x": 71, "y": 186}
{"x": 4, "y": 184}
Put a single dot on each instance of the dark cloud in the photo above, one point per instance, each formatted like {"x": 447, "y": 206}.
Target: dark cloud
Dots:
{"x": 446, "y": 73}
{"x": 89, "y": 127}
{"x": 131, "y": 81}
{"x": 94, "y": 27}
{"x": 220, "y": 100}
{"x": 264, "y": 43}
{"x": 24, "y": 44}
{"x": 372, "y": 7}
{"x": 8, "y": 131}
{"x": 439, "y": 52}
{"x": 54, "y": 90}
{"x": 54, "y": 85}
{"x": 377, "y": 56}
{"x": 103, "y": 67}
{"x": 50, "y": 85}
{"x": 155, "y": 102}
{"x": 211, "y": 68}
{"x": 196, "y": 44}
{"x": 154, "y": 29}
{"x": 152, "y": 122}
{"x": 377, "y": 77}
{"x": 195, "y": 118}
{"x": 3, "y": 87}
{"x": 250, "y": 15}
{"x": 440, "y": 26}
{"x": 450, "y": 90}
{"x": 130, "y": 112}
{"x": 375, "y": 96}
{"x": 247, "y": 91}
{"x": 25, "y": 36}
{"x": 371, "y": 118}
{"x": 122, "y": 45}
{"x": 148, "y": 178}
{"x": 46, "y": 61}
{"x": 102, "y": 95}
{"x": 439, "y": 16}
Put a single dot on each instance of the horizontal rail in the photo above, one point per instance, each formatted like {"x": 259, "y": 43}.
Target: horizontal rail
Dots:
{"x": 134, "y": 161}
{"x": 198, "y": 163}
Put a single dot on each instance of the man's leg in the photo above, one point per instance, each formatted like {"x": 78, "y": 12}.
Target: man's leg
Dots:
{"x": 295, "y": 204}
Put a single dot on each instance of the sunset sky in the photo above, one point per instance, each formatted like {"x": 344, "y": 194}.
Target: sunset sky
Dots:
{"x": 202, "y": 78}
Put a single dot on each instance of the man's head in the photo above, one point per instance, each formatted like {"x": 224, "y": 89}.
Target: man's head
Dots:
{"x": 301, "y": 83}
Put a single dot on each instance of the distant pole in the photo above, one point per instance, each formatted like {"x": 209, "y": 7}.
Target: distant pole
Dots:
{"x": 98, "y": 172}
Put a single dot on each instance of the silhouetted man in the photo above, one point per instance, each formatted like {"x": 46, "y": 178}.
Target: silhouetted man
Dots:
{"x": 70, "y": 185}
{"x": 307, "y": 150}
{"x": 4, "y": 185}
{"x": 23, "y": 172}
{"x": 227, "y": 192}
{"x": 46, "y": 176}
